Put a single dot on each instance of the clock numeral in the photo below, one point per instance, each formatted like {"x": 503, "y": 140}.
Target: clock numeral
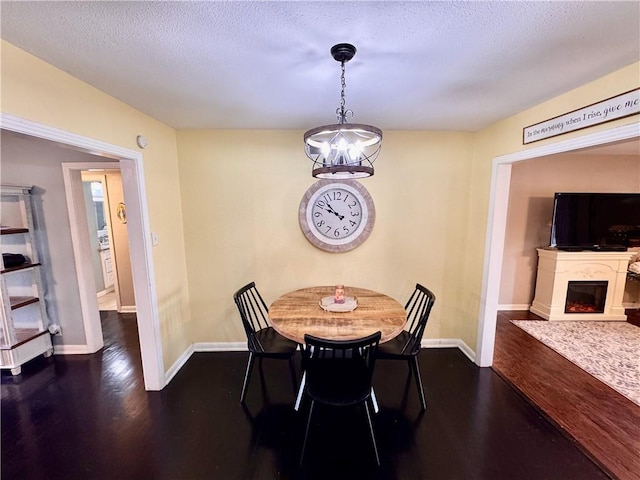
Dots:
{"x": 337, "y": 196}
{"x": 346, "y": 230}
{"x": 353, "y": 224}
{"x": 351, "y": 205}
{"x": 336, "y": 233}
{"x": 317, "y": 214}
{"x": 345, "y": 198}
{"x": 320, "y": 204}
{"x": 328, "y": 228}
{"x": 320, "y": 223}
{"x": 355, "y": 214}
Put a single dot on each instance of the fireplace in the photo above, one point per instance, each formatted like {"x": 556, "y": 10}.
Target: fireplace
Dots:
{"x": 585, "y": 297}
{"x": 580, "y": 285}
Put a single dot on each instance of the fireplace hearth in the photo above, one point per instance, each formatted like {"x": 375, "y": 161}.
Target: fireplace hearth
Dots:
{"x": 583, "y": 285}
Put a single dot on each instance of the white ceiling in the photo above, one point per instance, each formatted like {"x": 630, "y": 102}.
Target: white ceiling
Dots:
{"x": 266, "y": 65}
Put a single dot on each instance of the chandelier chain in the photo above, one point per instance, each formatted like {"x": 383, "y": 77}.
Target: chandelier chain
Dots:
{"x": 341, "y": 113}
{"x": 343, "y": 83}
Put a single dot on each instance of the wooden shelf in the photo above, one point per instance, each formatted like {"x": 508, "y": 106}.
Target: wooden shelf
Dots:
{"x": 17, "y": 302}
{"x": 24, "y": 266}
{"x": 13, "y": 230}
{"x": 23, "y": 335}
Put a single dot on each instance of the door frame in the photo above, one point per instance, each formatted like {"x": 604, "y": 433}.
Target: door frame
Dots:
{"x": 130, "y": 163}
{"x": 72, "y": 176}
{"x": 497, "y": 223}
{"x": 100, "y": 176}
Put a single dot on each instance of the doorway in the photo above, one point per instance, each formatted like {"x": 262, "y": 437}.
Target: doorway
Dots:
{"x": 130, "y": 164}
{"x": 497, "y": 220}
{"x": 109, "y": 239}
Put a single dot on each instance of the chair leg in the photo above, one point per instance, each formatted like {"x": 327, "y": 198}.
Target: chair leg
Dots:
{"x": 373, "y": 437}
{"x": 300, "y": 393}
{"x": 306, "y": 432}
{"x": 374, "y": 401}
{"x": 247, "y": 375}
{"x": 416, "y": 372}
{"x": 294, "y": 381}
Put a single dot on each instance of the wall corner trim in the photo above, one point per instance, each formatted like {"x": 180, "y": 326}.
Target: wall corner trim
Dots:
{"x": 178, "y": 364}
{"x": 449, "y": 343}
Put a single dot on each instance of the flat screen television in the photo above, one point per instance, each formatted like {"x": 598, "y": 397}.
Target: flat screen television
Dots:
{"x": 595, "y": 221}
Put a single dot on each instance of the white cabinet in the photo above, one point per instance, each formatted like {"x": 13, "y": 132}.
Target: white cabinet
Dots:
{"x": 24, "y": 325}
{"x": 107, "y": 268}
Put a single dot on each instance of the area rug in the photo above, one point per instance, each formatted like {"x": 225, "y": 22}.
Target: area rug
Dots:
{"x": 610, "y": 351}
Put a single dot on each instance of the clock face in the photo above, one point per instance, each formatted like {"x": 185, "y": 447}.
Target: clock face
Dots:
{"x": 336, "y": 216}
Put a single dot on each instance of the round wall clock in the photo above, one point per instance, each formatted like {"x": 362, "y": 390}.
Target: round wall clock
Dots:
{"x": 336, "y": 216}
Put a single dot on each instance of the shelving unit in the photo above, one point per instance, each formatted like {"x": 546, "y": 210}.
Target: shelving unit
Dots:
{"x": 24, "y": 325}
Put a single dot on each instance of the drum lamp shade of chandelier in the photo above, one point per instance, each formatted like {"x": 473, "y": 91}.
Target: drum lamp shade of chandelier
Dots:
{"x": 343, "y": 150}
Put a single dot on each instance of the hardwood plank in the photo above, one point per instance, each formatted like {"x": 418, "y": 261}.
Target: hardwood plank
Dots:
{"x": 88, "y": 417}
{"x": 605, "y": 423}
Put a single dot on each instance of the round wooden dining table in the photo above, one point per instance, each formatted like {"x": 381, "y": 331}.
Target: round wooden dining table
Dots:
{"x": 297, "y": 313}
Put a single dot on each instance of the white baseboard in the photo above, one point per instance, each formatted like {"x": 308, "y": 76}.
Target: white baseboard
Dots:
{"x": 178, "y": 364}
{"x": 514, "y": 306}
{"x": 71, "y": 350}
{"x": 242, "y": 347}
{"x": 220, "y": 347}
{"x": 105, "y": 292}
{"x": 449, "y": 343}
{"x": 202, "y": 347}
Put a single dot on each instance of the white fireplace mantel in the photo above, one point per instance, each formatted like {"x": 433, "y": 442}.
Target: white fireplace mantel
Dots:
{"x": 557, "y": 268}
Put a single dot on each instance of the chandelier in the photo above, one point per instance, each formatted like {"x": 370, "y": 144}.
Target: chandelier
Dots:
{"x": 343, "y": 150}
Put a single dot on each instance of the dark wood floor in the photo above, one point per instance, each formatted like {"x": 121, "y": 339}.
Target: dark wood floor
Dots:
{"x": 605, "y": 423}
{"x": 88, "y": 417}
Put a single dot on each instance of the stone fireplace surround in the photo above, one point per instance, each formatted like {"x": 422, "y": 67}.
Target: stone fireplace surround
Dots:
{"x": 557, "y": 268}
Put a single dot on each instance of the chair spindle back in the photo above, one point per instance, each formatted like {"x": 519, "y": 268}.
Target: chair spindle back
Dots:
{"x": 253, "y": 312}
{"x": 418, "y": 308}
{"x": 362, "y": 351}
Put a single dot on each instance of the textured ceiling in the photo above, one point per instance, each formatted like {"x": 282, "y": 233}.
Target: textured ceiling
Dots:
{"x": 266, "y": 65}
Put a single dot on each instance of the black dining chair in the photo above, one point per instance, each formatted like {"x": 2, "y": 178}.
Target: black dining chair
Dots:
{"x": 406, "y": 346}
{"x": 262, "y": 340}
{"x": 339, "y": 373}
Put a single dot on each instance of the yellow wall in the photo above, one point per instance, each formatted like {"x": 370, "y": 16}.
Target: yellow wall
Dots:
{"x": 37, "y": 91}
{"x": 225, "y": 203}
{"x": 241, "y": 191}
{"x": 505, "y": 137}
